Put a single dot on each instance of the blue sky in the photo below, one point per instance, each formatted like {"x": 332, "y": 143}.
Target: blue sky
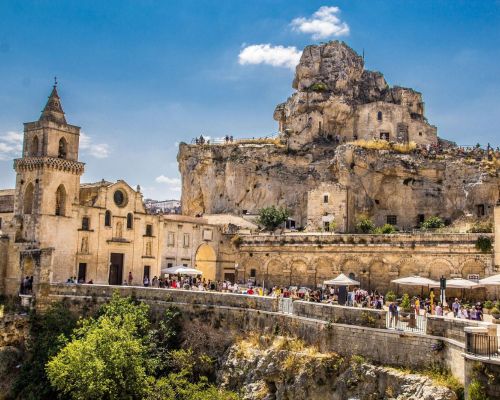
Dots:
{"x": 141, "y": 76}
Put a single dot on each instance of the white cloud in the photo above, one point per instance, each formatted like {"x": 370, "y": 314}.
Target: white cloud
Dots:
{"x": 277, "y": 56}
{"x": 97, "y": 150}
{"x": 323, "y": 24}
{"x": 167, "y": 180}
{"x": 11, "y": 145}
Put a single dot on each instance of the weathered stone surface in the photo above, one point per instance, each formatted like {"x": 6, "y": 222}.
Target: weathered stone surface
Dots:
{"x": 284, "y": 369}
{"x": 234, "y": 179}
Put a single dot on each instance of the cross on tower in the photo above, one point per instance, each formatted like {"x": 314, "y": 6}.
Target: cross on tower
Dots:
{"x": 55, "y": 80}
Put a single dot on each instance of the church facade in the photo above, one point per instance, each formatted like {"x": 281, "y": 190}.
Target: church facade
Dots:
{"x": 53, "y": 227}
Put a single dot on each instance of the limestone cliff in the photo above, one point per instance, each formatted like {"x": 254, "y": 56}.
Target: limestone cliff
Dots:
{"x": 235, "y": 179}
{"x": 284, "y": 369}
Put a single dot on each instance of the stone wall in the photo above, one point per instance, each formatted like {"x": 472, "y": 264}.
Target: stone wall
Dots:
{"x": 486, "y": 372}
{"x": 340, "y": 314}
{"x": 14, "y": 330}
{"x": 307, "y": 259}
{"x": 325, "y": 205}
{"x": 241, "y": 314}
{"x": 450, "y": 328}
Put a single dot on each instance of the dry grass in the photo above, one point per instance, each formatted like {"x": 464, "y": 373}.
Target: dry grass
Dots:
{"x": 402, "y": 148}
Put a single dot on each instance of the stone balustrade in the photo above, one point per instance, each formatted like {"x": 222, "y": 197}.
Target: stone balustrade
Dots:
{"x": 451, "y": 328}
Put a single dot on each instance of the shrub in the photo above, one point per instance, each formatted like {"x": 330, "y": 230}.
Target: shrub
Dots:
{"x": 483, "y": 243}
{"x": 495, "y": 310}
{"x": 385, "y": 229}
{"x": 476, "y": 391}
{"x": 272, "y": 217}
{"x": 390, "y": 296}
{"x": 406, "y": 303}
{"x": 318, "y": 87}
{"x": 482, "y": 227}
{"x": 365, "y": 225}
{"x": 488, "y": 304}
{"x": 433, "y": 223}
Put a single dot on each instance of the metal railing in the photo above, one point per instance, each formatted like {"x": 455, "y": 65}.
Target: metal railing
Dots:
{"x": 408, "y": 322}
{"x": 483, "y": 345}
{"x": 223, "y": 140}
{"x": 285, "y": 305}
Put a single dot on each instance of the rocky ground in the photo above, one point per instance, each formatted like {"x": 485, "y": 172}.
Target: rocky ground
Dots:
{"x": 283, "y": 368}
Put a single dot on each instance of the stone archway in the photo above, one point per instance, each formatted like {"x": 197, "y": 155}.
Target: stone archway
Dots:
{"x": 355, "y": 270}
{"x": 379, "y": 277}
{"x": 206, "y": 261}
{"x": 473, "y": 267}
{"x": 439, "y": 268}
{"x": 274, "y": 273}
{"x": 325, "y": 270}
{"x": 298, "y": 274}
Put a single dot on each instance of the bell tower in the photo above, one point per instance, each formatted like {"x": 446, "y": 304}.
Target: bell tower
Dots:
{"x": 48, "y": 178}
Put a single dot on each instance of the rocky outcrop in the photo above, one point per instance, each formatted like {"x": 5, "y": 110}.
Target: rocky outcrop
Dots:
{"x": 337, "y": 99}
{"x": 235, "y": 179}
{"x": 284, "y": 368}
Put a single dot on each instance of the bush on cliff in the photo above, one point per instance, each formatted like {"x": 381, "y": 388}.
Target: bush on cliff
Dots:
{"x": 119, "y": 354}
{"x": 365, "y": 225}
{"x": 432, "y": 223}
{"x": 272, "y": 217}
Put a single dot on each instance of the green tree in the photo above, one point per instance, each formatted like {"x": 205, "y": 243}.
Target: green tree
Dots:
{"x": 107, "y": 356}
{"x": 433, "y": 223}
{"x": 272, "y": 217}
{"x": 365, "y": 225}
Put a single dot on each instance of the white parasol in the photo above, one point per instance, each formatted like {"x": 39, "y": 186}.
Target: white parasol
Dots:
{"x": 341, "y": 280}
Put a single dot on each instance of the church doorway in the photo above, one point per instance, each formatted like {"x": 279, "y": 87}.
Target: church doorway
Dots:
{"x": 116, "y": 269}
{"x": 206, "y": 261}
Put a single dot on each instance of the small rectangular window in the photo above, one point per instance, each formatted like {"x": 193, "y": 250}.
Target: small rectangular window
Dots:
{"x": 85, "y": 223}
{"x": 326, "y": 226}
{"x": 421, "y": 219}
{"x": 149, "y": 230}
{"x": 0, "y": 223}
{"x": 325, "y": 198}
{"x": 170, "y": 265}
{"x": 253, "y": 273}
{"x": 480, "y": 210}
{"x": 171, "y": 239}
{"x": 186, "y": 240}
{"x": 392, "y": 220}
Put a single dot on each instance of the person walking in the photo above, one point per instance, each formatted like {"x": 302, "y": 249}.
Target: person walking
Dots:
{"x": 130, "y": 278}
{"x": 393, "y": 314}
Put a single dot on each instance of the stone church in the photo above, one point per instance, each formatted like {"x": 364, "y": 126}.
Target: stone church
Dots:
{"x": 53, "y": 227}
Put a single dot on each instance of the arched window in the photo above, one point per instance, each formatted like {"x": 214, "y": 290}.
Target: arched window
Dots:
{"x": 63, "y": 145}
{"x": 107, "y": 218}
{"x": 379, "y": 115}
{"x": 130, "y": 221}
{"x": 34, "y": 147}
{"x": 28, "y": 199}
{"x": 61, "y": 201}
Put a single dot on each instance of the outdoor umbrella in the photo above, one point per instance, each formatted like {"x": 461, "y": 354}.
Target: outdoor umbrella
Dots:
{"x": 459, "y": 283}
{"x": 493, "y": 280}
{"x": 181, "y": 270}
{"x": 341, "y": 280}
{"x": 415, "y": 281}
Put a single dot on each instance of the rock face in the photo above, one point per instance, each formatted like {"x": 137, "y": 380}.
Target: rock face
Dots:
{"x": 338, "y": 100}
{"x": 349, "y": 145}
{"x": 284, "y": 369}
{"x": 238, "y": 179}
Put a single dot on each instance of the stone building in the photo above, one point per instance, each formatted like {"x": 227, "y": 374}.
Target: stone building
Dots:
{"x": 327, "y": 208}
{"x": 337, "y": 100}
{"x": 53, "y": 227}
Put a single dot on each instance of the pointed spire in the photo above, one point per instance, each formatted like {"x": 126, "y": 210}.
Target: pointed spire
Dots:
{"x": 53, "y": 109}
